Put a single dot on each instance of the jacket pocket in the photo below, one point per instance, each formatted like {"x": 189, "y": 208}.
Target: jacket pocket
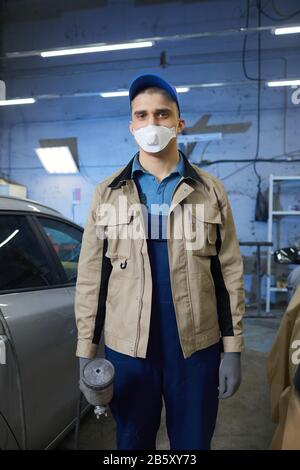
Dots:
{"x": 119, "y": 232}
{"x": 123, "y": 245}
{"x": 204, "y": 226}
{"x": 122, "y": 308}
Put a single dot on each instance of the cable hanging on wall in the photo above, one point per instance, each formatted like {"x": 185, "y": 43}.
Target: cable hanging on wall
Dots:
{"x": 261, "y": 210}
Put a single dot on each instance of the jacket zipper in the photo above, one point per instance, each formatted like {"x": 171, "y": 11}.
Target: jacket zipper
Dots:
{"x": 143, "y": 286}
{"x": 176, "y": 316}
{"x": 141, "y": 302}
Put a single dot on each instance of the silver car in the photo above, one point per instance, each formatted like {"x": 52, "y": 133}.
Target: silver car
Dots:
{"x": 39, "y": 250}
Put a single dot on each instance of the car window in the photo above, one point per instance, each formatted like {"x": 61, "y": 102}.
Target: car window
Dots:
{"x": 66, "y": 241}
{"x": 22, "y": 260}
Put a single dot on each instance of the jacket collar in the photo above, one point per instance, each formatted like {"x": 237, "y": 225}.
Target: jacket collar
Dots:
{"x": 126, "y": 173}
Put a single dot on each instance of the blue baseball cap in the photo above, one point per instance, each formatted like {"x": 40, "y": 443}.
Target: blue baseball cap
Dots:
{"x": 151, "y": 80}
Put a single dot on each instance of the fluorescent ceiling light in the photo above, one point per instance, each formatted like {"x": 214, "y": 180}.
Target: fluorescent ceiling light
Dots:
{"x": 17, "y": 101}
{"x": 283, "y": 82}
{"x": 90, "y": 49}
{"x": 57, "y": 159}
{"x": 113, "y": 94}
{"x": 182, "y": 89}
{"x": 286, "y": 30}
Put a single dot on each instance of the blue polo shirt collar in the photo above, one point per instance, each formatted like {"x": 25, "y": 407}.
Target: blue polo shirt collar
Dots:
{"x": 136, "y": 166}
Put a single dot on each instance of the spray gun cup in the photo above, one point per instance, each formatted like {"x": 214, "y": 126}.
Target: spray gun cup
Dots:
{"x": 98, "y": 378}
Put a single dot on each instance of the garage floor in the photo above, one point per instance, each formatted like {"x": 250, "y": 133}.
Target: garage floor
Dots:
{"x": 243, "y": 421}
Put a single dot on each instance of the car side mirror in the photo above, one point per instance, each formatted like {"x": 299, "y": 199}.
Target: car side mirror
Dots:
{"x": 289, "y": 255}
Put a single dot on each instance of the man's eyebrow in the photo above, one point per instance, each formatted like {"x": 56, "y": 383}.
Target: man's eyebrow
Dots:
{"x": 156, "y": 110}
{"x": 163, "y": 109}
{"x": 139, "y": 112}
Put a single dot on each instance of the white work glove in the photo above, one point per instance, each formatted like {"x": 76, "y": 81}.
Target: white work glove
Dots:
{"x": 230, "y": 374}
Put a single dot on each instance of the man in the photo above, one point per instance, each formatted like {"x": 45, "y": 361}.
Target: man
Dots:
{"x": 169, "y": 305}
{"x": 283, "y": 372}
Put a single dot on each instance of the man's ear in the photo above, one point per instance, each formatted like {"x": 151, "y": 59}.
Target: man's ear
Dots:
{"x": 130, "y": 127}
{"x": 180, "y": 126}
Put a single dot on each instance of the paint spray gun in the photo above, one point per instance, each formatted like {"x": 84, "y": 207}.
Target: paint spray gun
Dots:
{"x": 98, "y": 379}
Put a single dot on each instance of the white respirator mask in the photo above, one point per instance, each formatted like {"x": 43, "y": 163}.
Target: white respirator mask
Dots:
{"x": 154, "y": 138}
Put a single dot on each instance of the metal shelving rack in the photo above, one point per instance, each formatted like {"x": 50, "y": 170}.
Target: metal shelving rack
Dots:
{"x": 273, "y": 214}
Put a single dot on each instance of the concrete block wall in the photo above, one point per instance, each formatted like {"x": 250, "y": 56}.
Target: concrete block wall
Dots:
{"x": 101, "y": 125}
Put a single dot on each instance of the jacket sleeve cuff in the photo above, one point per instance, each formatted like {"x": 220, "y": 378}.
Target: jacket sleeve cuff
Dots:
{"x": 233, "y": 343}
{"x": 86, "y": 348}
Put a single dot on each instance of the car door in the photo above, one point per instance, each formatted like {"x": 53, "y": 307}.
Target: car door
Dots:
{"x": 64, "y": 243}
{"x": 39, "y": 381}
{"x": 64, "y": 238}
